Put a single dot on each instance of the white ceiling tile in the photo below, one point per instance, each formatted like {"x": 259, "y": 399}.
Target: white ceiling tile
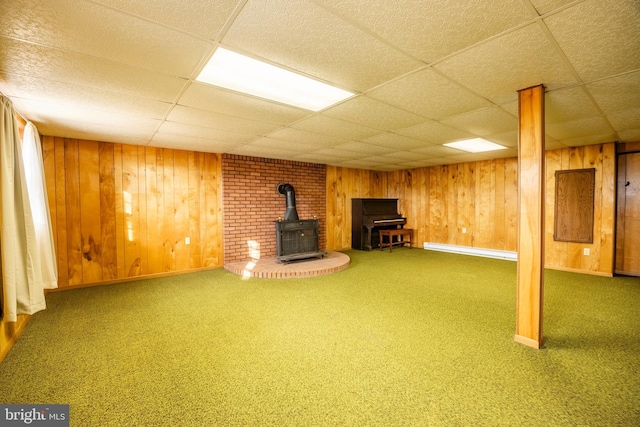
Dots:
{"x": 430, "y": 72}
{"x": 568, "y": 104}
{"x": 435, "y": 29}
{"x": 204, "y": 18}
{"x": 279, "y": 144}
{"x": 428, "y": 94}
{"x": 185, "y": 142}
{"x": 471, "y": 157}
{"x": 434, "y": 132}
{"x": 625, "y": 120}
{"x": 632, "y": 135}
{"x": 212, "y": 98}
{"x": 336, "y": 153}
{"x": 22, "y": 86}
{"x": 304, "y": 137}
{"x": 55, "y": 119}
{"x": 325, "y": 46}
{"x": 588, "y": 140}
{"x": 488, "y": 68}
{"x": 437, "y": 151}
{"x": 506, "y": 139}
{"x": 599, "y": 37}
{"x": 579, "y": 128}
{"x": 552, "y": 144}
{"x": 337, "y": 128}
{"x": 193, "y": 116}
{"x": 364, "y": 148}
{"x": 214, "y": 135}
{"x": 395, "y": 141}
{"x": 486, "y": 121}
{"x": 617, "y": 93}
{"x": 70, "y": 25}
{"x": 368, "y": 112}
{"x": 546, "y": 6}
{"x": 504, "y": 154}
{"x": 407, "y": 155}
{"x": 82, "y": 70}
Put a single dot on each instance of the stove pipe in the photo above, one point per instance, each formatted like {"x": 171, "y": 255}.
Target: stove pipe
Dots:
{"x": 291, "y": 214}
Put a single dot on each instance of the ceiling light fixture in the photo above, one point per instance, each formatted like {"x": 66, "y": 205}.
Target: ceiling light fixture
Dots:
{"x": 475, "y": 145}
{"x": 237, "y": 72}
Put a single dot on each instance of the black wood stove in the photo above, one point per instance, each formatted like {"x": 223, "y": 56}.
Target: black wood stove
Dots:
{"x": 295, "y": 238}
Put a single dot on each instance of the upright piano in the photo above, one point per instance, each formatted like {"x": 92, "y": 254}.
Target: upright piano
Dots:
{"x": 368, "y": 216}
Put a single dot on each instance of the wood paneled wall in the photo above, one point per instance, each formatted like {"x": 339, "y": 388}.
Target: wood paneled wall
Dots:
{"x": 344, "y": 184}
{"x": 570, "y": 256}
{"x": 120, "y": 211}
{"x": 442, "y": 202}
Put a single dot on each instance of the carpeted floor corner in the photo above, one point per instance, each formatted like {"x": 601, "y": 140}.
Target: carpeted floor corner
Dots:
{"x": 412, "y": 338}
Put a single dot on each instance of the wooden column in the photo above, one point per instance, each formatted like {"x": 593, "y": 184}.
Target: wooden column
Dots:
{"x": 531, "y": 191}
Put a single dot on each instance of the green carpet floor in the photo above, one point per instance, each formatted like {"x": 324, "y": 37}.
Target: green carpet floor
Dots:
{"x": 412, "y": 338}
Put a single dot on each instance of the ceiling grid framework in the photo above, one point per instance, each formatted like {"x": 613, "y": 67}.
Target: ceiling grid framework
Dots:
{"x": 424, "y": 73}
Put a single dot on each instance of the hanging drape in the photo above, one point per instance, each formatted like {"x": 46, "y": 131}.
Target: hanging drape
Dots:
{"x": 37, "y": 186}
{"x": 21, "y": 264}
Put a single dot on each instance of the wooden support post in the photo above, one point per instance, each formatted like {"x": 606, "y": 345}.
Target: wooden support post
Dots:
{"x": 531, "y": 191}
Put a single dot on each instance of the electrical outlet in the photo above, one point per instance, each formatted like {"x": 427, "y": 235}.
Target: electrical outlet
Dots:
{"x": 187, "y": 240}
{"x": 464, "y": 230}
{"x": 587, "y": 251}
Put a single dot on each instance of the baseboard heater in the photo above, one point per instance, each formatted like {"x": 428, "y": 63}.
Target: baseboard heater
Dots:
{"x": 467, "y": 250}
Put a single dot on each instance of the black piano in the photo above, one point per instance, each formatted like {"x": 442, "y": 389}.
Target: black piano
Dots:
{"x": 368, "y": 216}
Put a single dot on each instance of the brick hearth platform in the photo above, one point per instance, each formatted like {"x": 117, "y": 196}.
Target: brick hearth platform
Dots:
{"x": 271, "y": 268}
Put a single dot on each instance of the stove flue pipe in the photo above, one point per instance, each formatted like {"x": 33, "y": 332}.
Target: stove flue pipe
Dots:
{"x": 291, "y": 214}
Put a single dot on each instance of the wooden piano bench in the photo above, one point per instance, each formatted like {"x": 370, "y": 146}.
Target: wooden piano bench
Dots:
{"x": 403, "y": 233}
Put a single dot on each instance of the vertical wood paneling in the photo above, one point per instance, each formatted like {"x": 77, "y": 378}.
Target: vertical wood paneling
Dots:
{"x": 131, "y": 204}
{"x": 72, "y": 200}
{"x": 194, "y": 208}
{"x": 181, "y": 203}
{"x": 49, "y": 164}
{"x": 593, "y": 159}
{"x": 151, "y": 196}
{"x": 108, "y": 212}
{"x": 212, "y": 235}
{"x": 555, "y": 252}
{"x": 160, "y": 243}
{"x": 90, "y": 221}
{"x": 607, "y": 209}
{"x": 143, "y": 236}
{"x": 120, "y": 211}
{"x": 342, "y": 185}
{"x": 438, "y": 204}
{"x": 168, "y": 226}
{"x": 114, "y": 209}
{"x": 511, "y": 203}
{"x": 481, "y": 197}
{"x": 570, "y": 256}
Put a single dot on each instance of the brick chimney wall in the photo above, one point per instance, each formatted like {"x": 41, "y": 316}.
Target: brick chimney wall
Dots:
{"x": 251, "y": 202}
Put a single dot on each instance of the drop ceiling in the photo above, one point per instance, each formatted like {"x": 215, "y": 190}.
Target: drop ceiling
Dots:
{"x": 425, "y": 73}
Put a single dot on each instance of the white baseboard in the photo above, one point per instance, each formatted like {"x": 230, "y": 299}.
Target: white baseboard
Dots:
{"x": 467, "y": 250}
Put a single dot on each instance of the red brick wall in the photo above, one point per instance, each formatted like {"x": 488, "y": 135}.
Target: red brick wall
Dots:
{"x": 251, "y": 202}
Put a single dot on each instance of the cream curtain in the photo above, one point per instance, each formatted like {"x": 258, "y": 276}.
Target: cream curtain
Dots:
{"x": 37, "y": 186}
{"x": 21, "y": 265}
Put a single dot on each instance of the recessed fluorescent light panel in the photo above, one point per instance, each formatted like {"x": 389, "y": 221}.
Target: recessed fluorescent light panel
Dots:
{"x": 237, "y": 72}
{"x": 475, "y": 145}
